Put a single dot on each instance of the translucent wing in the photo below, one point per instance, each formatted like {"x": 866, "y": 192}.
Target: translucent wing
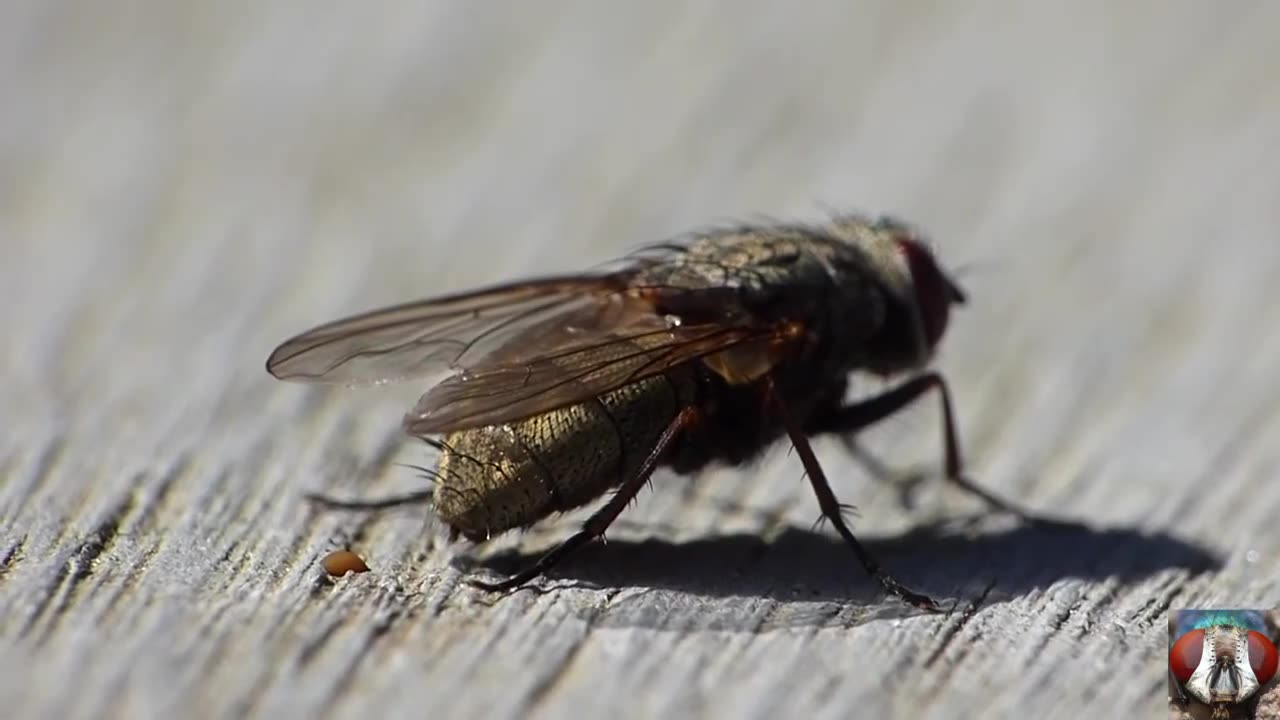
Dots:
{"x": 418, "y": 339}
{"x": 524, "y": 348}
{"x": 572, "y": 370}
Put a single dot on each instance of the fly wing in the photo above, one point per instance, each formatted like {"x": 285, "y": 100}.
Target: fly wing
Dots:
{"x": 567, "y": 370}
{"x": 524, "y": 348}
{"x": 418, "y": 339}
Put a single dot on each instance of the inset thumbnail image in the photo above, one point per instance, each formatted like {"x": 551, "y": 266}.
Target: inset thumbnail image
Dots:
{"x": 1222, "y": 664}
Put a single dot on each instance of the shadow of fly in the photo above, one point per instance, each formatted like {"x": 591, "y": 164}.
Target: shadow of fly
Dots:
{"x": 559, "y": 389}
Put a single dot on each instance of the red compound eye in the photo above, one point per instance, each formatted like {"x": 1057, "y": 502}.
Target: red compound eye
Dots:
{"x": 935, "y": 292}
{"x": 1262, "y": 656}
{"x": 1184, "y": 657}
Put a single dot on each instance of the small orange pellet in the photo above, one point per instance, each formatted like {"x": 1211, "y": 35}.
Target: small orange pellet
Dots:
{"x": 341, "y": 562}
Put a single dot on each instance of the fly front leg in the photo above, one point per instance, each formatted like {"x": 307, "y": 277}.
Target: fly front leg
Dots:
{"x": 849, "y": 419}
{"x": 1179, "y": 695}
{"x": 596, "y": 525}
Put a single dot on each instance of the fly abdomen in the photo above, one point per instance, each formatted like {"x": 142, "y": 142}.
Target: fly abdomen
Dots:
{"x": 498, "y": 477}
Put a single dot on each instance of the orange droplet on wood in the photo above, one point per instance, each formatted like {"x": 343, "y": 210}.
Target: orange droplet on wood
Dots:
{"x": 341, "y": 562}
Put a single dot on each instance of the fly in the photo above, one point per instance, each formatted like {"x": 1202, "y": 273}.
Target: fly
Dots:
{"x": 560, "y": 389}
{"x": 1222, "y": 658}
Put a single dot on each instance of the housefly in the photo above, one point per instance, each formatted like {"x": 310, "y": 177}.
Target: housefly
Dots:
{"x": 1221, "y": 658}
{"x": 703, "y": 350}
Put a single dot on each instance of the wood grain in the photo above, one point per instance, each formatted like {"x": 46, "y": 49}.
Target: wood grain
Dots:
{"x": 184, "y": 185}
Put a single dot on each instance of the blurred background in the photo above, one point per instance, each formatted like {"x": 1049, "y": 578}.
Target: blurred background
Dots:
{"x": 183, "y": 185}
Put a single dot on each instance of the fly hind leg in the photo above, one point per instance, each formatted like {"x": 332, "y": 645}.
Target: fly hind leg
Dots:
{"x": 383, "y": 503}
{"x": 411, "y": 498}
{"x": 600, "y": 521}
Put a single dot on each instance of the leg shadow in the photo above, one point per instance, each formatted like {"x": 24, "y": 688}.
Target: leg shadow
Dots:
{"x": 804, "y": 578}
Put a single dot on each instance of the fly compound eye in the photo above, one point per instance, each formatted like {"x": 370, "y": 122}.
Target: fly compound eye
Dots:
{"x": 935, "y": 293}
{"x": 1262, "y": 657}
{"x": 1184, "y": 656}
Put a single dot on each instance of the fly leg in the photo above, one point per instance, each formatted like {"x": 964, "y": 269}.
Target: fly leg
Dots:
{"x": 332, "y": 503}
{"x": 595, "y": 525}
{"x": 905, "y": 484}
{"x": 831, "y": 506}
{"x": 1179, "y": 696}
{"x": 383, "y": 503}
{"x": 854, "y": 417}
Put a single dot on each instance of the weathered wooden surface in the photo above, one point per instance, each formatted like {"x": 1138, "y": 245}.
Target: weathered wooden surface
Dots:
{"x": 182, "y": 185}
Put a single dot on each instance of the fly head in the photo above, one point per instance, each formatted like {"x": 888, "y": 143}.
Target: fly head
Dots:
{"x": 919, "y": 294}
{"x": 1223, "y": 663}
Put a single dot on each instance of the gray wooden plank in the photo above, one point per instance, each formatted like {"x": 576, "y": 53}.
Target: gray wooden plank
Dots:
{"x": 184, "y": 185}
